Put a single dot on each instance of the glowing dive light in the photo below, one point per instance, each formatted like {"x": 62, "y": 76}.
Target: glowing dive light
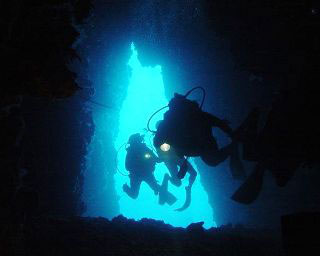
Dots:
{"x": 165, "y": 147}
{"x": 147, "y": 155}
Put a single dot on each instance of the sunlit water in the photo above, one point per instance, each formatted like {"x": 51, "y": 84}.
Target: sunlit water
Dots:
{"x": 144, "y": 96}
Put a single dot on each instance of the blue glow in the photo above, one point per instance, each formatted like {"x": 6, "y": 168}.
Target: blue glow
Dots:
{"x": 144, "y": 96}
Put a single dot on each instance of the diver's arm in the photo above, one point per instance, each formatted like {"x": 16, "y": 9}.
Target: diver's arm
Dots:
{"x": 220, "y": 123}
{"x": 154, "y": 156}
{"x": 159, "y": 158}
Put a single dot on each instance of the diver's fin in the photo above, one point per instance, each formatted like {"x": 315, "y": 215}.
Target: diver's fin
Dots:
{"x": 164, "y": 195}
{"x": 250, "y": 189}
{"x": 187, "y": 202}
{"x": 170, "y": 198}
{"x": 236, "y": 166}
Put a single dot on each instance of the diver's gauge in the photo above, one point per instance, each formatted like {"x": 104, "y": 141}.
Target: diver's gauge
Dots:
{"x": 165, "y": 147}
{"x": 147, "y": 155}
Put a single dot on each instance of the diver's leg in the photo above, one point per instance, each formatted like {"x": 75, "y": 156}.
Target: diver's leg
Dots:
{"x": 133, "y": 190}
{"x": 193, "y": 174}
{"x": 164, "y": 195}
{"x": 173, "y": 169}
{"x": 165, "y": 180}
{"x": 153, "y": 184}
{"x": 183, "y": 163}
{"x": 216, "y": 156}
{"x": 247, "y": 134}
{"x": 248, "y": 128}
{"x": 236, "y": 166}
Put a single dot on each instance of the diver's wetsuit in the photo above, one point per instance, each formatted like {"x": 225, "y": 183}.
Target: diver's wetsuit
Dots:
{"x": 140, "y": 162}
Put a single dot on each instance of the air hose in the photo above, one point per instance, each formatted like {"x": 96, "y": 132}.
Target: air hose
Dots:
{"x": 203, "y": 94}
{"x": 148, "y": 127}
{"x": 116, "y": 159}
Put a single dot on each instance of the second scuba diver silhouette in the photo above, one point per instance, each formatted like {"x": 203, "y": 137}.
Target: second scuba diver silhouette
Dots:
{"x": 172, "y": 161}
{"x": 140, "y": 162}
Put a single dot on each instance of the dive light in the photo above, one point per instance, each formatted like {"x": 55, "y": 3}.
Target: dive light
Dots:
{"x": 165, "y": 147}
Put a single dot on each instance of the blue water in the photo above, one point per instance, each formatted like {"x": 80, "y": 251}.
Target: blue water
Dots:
{"x": 145, "y": 95}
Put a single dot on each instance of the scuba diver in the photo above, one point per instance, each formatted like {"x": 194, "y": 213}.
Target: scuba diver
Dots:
{"x": 140, "y": 162}
{"x": 187, "y": 129}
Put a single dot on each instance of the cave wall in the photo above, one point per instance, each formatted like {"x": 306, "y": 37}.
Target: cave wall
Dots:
{"x": 45, "y": 122}
{"x": 106, "y": 50}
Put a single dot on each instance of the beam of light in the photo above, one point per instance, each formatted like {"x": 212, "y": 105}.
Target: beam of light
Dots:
{"x": 144, "y": 96}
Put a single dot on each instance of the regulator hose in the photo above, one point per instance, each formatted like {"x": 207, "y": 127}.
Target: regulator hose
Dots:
{"x": 116, "y": 159}
{"x": 148, "y": 124}
{"x": 197, "y": 88}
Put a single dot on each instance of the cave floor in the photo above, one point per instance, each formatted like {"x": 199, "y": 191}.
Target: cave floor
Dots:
{"x": 99, "y": 236}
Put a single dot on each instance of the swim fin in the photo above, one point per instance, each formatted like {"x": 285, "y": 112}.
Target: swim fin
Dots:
{"x": 250, "y": 189}
{"x": 164, "y": 195}
{"x": 187, "y": 202}
{"x": 170, "y": 199}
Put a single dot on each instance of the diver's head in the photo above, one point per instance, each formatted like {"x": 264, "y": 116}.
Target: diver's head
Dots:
{"x": 178, "y": 96}
{"x": 135, "y": 139}
{"x": 176, "y": 100}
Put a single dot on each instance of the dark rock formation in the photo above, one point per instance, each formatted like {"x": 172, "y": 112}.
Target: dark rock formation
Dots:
{"x": 99, "y": 236}
{"x": 298, "y": 233}
{"x": 43, "y": 137}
